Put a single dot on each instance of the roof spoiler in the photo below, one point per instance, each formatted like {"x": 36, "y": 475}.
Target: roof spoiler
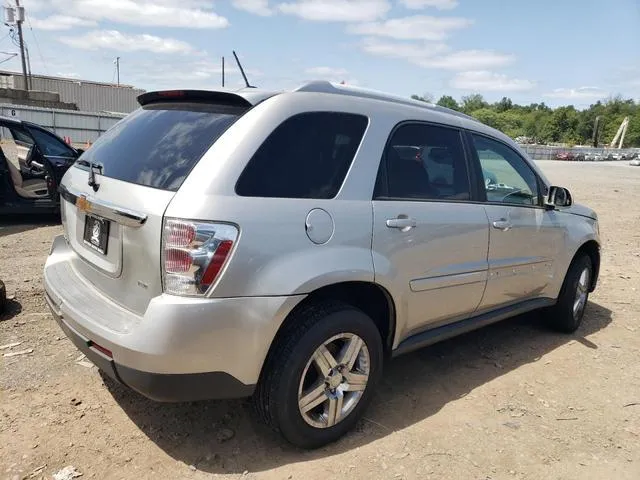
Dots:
{"x": 221, "y": 98}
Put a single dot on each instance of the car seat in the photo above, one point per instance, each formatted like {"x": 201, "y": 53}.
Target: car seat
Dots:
{"x": 407, "y": 178}
{"x": 36, "y": 188}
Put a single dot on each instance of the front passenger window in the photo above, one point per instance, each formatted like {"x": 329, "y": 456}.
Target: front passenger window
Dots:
{"x": 424, "y": 162}
{"x": 507, "y": 177}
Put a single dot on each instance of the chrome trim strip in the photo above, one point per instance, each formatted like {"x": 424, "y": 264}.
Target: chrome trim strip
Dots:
{"x": 100, "y": 208}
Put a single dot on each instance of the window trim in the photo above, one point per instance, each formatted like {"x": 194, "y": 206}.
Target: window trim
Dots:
{"x": 381, "y": 187}
{"x": 478, "y": 168}
{"x": 288, "y": 118}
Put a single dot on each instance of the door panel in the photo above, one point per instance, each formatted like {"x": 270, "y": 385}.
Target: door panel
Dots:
{"x": 439, "y": 267}
{"x": 521, "y": 254}
{"x": 429, "y": 244}
{"x": 524, "y": 238}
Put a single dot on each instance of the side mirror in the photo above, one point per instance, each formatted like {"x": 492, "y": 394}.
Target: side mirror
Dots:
{"x": 558, "y": 197}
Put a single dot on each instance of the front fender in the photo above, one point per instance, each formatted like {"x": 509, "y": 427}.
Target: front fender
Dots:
{"x": 579, "y": 231}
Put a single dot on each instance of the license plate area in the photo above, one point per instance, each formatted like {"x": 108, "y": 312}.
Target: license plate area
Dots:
{"x": 96, "y": 234}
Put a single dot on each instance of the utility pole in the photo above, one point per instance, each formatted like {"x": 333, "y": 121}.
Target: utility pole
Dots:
{"x": 26, "y": 51}
{"x": 118, "y": 69}
{"x": 19, "y": 20}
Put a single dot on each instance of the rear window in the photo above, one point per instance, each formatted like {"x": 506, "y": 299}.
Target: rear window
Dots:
{"x": 307, "y": 156}
{"x": 159, "y": 144}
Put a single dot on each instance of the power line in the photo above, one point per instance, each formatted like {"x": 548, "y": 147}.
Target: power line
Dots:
{"x": 44, "y": 64}
{"x": 11, "y": 57}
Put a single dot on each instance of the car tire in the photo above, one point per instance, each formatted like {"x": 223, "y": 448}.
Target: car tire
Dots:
{"x": 3, "y": 297}
{"x": 566, "y": 315}
{"x": 297, "y": 372}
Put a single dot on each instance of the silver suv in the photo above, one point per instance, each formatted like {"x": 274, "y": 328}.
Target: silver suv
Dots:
{"x": 283, "y": 245}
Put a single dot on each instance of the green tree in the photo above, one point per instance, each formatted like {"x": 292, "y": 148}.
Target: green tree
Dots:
{"x": 471, "y": 103}
{"x": 504, "y": 105}
{"x": 543, "y": 124}
{"x": 487, "y": 116}
{"x": 448, "y": 101}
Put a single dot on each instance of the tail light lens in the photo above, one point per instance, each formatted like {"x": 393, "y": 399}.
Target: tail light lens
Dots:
{"x": 194, "y": 254}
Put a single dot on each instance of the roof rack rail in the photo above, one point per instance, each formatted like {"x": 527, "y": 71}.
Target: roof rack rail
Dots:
{"x": 324, "y": 86}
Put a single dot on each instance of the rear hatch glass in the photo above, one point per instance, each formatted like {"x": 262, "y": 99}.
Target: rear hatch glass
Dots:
{"x": 137, "y": 166}
{"x": 158, "y": 144}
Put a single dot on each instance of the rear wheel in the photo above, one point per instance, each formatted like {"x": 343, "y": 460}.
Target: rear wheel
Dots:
{"x": 320, "y": 375}
{"x": 566, "y": 315}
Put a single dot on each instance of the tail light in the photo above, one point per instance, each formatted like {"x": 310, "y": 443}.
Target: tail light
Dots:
{"x": 194, "y": 254}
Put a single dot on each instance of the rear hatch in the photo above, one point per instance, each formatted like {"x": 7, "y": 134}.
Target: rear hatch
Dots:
{"x": 115, "y": 196}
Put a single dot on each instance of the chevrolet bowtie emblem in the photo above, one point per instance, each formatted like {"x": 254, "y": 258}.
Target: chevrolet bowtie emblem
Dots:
{"x": 83, "y": 204}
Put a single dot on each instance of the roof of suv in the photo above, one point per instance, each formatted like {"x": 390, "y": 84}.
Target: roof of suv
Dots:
{"x": 250, "y": 96}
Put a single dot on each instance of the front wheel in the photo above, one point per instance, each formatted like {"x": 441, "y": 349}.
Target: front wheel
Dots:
{"x": 566, "y": 315}
{"x": 321, "y": 374}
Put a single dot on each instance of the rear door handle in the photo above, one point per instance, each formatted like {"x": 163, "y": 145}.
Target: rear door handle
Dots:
{"x": 401, "y": 223}
{"x": 502, "y": 224}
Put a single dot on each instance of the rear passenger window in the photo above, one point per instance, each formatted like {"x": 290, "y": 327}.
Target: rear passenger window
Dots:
{"x": 307, "y": 156}
{"x": 424, "y": 162}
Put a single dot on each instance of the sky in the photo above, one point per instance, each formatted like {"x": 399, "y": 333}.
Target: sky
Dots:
{"x": 554, "y": 51}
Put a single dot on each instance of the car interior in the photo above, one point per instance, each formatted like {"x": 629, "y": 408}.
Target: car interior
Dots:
{"x": 31, "y": 188}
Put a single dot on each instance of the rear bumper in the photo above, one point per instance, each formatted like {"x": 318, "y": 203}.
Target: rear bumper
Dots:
{"x": 161, "y": 387}
{"x": 181, "y": 349}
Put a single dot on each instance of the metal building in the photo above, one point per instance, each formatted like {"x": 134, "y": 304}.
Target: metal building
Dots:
{"x": 89, "y": 96}
{"x": 78, "y": 127}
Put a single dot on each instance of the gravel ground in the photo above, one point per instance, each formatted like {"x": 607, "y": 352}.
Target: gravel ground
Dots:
{"x": 510, "y": 401}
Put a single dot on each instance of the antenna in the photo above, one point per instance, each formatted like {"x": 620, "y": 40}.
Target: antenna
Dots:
{"x": 223, "y": 71}
{"x": 242, "y": 71}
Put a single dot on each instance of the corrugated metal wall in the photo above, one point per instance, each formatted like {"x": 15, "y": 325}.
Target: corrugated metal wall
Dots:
{"x": 90, "y": 97}
{"x": 80, "y": 127}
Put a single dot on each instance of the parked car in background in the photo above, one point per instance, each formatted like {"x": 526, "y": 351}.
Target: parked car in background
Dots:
{"x": 279, "y": 245}
{"x": 33, "y": 161}
{"x": 564, "y": 156}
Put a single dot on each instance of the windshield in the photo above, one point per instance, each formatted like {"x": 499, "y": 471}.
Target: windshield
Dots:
{"x": 159, "y": 144}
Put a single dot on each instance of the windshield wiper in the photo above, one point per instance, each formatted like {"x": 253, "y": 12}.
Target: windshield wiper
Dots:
{"x": 92, "y": 174}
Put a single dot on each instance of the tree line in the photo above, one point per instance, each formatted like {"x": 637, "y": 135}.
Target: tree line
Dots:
{"x": 542, "y": 124}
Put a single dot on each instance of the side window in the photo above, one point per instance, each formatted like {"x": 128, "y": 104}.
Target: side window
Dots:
{"x": 307, "y": 156}
{"x": 507, "y": 177}
{"x": 50, "y": 145}
{"x": 425, "y": 162}
{"x": 21, "y": 137}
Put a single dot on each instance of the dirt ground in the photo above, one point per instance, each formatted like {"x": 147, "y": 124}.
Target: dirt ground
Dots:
{"x": 510, "y": 401}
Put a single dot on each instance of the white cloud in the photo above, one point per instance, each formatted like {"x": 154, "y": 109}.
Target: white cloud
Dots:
{"x": 257, "y": 7}
{"x": 414, "y": 52}
{"x": 484, "y": 81}
{"x": 61, "y": 22}
{"x": 437, "y": 55}
{"x": 439, "y": 4}
{"x": 417, "y": 27}
{"x": 337, "y": 10}
{"x": 467, "y": 59}
{"x": 158, "y": 13}
{"x": 577, "y": 93}
{"x": 114, "y": 40}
